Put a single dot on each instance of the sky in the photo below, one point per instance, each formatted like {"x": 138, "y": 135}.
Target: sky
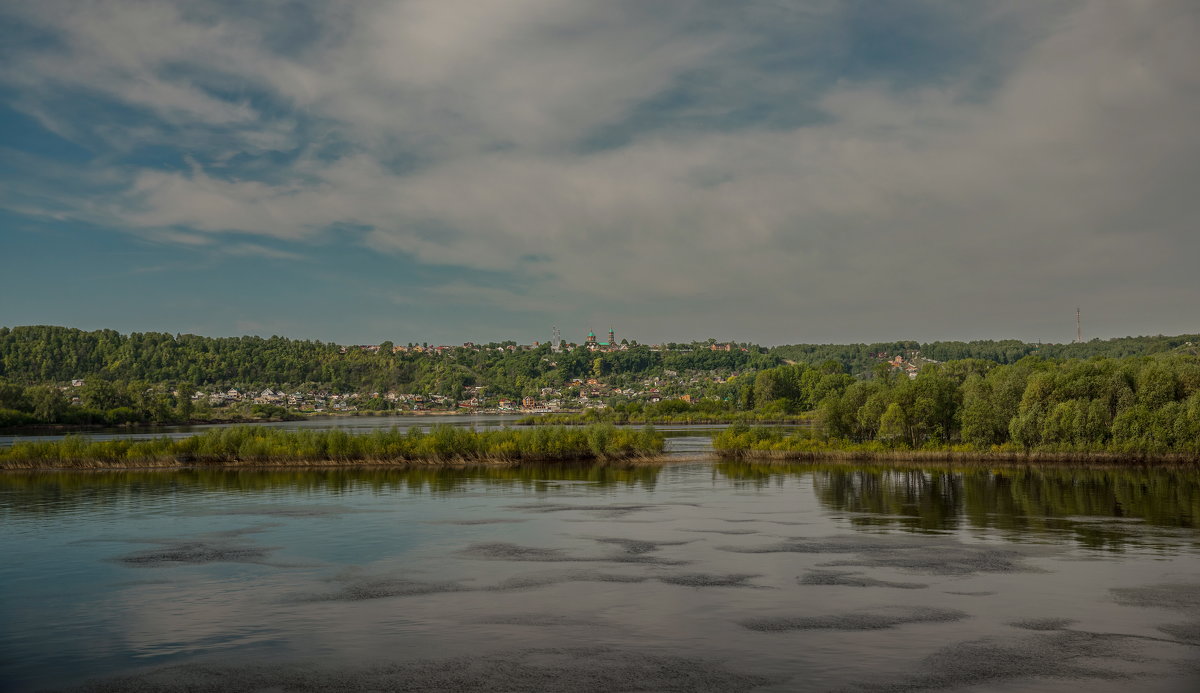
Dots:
{"x": 437, "y": 171}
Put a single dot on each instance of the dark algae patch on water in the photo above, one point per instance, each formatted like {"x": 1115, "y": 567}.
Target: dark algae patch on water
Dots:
{"x": 194, "y": 552}
{"x": 1064, "y": 655}
{"x": 931, "y": 555}
{"x": 854, "y": 579}
{"x": 877, "y": 619}
{"x": 632, "y": 552}
{"x": 362, "y": 588}
{"x": 1171, "y": 596}
{"x": 543, "y": 670}
{"x": 711, "y": 579}
{"x": 1043, "y": 624}
{"x": 524, "y": 582}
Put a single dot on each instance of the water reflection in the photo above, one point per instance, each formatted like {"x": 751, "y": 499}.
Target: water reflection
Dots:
{"x": 562, "y": 577}
{"x": 51, "y": 492}
{"x": 1101, "y": 508}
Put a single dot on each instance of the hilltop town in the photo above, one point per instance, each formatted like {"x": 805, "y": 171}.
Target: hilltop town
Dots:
{"x": 571, "y": 394}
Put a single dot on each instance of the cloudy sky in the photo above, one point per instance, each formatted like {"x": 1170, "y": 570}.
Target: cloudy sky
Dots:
{"x": 775, "y": 171}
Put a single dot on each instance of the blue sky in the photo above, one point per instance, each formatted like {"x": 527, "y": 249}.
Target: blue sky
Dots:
{"x": 778, "y": 172}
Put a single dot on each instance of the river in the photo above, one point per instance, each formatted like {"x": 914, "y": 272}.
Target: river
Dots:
{"x": 696, "y": 575}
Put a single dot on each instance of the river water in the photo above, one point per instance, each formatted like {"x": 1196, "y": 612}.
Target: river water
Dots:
{"x": 696, "y": 575}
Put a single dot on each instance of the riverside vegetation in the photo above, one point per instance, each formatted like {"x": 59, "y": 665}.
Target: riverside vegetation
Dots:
{"x": 1110, "y": 404}
{"x": 1145, "y": 408}
{"x": 264, "y": 446}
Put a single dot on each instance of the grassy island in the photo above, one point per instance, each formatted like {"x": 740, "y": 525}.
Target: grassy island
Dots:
{"x": 768, "y": 443}
{"x": 260, "y": 446}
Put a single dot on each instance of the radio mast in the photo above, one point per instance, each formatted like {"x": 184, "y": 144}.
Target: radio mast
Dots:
{"x": 1078, "y": 327}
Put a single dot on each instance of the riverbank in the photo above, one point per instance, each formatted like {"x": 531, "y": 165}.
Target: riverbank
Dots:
{"x": 40, "y": 429}
{"x": 259, "y": 446}
{"x": 776, "y": 445}
{"x": 967, "y": 457}
{"x": 594, "y": 416}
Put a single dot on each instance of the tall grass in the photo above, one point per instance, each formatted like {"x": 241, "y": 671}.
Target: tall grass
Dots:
{"x": 260, "y": 445}
{"x": 763, "y": 442}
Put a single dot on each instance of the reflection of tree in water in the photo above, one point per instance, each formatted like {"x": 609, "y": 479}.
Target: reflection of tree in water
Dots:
{"x": 914, "y": 498}
{"x": 1094, "y": 505}
{"x": 52, "y": 492}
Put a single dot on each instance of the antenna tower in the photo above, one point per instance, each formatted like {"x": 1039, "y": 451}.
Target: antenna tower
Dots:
{"x": 1078, "y": 327}
{"x": 556, "y": 340}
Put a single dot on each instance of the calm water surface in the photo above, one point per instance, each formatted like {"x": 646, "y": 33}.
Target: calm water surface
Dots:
{"x": 699, "y": 575}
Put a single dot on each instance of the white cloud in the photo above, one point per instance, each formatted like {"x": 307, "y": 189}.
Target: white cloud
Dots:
{"x": 1071, "y": 175}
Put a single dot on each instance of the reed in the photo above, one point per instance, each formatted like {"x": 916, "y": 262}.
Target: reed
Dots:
{"x": 249, "y": 446}
{"x": 766, "y": 443}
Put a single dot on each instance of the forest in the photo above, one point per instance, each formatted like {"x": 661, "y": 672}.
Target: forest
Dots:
{"x": 44, "y": 355}
{"x": 862, "y": 358}
{"x": 1132, "y": 405}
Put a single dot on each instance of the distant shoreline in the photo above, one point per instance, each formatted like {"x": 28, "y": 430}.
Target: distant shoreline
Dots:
{"x": 902, "y": 458}
{"x": 147, "y": 425}
{"x": 140, "y": 425}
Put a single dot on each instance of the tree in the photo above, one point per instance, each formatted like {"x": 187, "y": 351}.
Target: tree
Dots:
{"x": 892, "y": 424}
{"x": 982, "y": 424}
{"x": 48, "y": 403}
{"x": 102, "y": 394}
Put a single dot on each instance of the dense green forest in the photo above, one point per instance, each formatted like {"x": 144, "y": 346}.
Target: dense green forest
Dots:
{"x": 42, "y": 354}
{"x": 862, "y": 358}
{"x": 37, "y": 355}
{"x": 1147, "y": 404}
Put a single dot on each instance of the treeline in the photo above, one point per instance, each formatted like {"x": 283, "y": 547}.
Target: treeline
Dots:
{"x": 862, "y": 358}
{"x": 43, "y": 354}
{"x": 259, "y": 445}
{"x": 1148, "y": 405}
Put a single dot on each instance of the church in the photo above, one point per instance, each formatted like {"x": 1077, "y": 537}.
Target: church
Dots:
{"x": 610, "y": 345}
